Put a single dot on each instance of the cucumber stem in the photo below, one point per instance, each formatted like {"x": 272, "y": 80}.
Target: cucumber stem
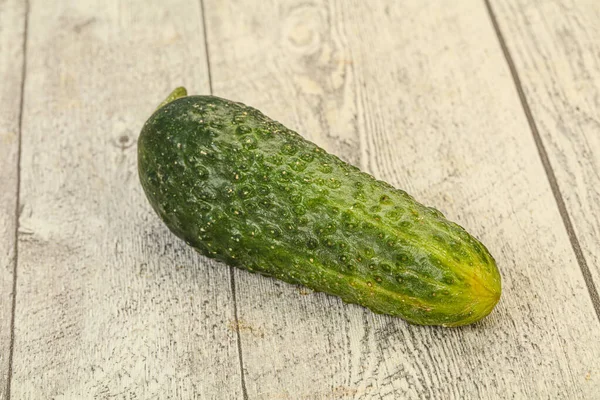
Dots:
{"x": 175, "y": 94}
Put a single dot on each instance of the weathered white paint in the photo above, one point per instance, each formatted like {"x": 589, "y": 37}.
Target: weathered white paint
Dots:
{"x": 109, "y": 304}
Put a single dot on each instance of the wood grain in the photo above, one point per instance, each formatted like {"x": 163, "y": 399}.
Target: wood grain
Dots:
{"x": 556, "y": 51}
{"x": 109, "y": 304}
{"x": 12, "y": 28}
{"x": 421, "y": 96}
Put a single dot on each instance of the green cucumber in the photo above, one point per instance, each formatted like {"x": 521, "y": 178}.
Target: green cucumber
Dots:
{"x": 245, "y": 190}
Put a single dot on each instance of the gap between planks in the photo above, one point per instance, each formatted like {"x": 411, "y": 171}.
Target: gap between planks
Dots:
{"x": 17, "y": 204}
{"x": 558, "y": 197}
{"x": 231, "y": 270}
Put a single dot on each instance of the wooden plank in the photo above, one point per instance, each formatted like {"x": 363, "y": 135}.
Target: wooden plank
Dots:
{"x": 109, "y": 304}
{"x": 421, "y": 96}
{"x": 12, "y": 28}
{"x": 555, "y": 48}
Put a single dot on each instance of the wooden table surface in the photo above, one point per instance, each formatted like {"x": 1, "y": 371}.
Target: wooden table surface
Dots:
{"x": 488, "y": 110}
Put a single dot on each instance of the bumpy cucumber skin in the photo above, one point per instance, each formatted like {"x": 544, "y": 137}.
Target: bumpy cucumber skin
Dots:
{"x": 245, "y": 190}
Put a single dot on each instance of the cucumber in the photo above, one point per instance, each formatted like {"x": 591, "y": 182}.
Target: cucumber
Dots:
{"x": 245, "y": 190}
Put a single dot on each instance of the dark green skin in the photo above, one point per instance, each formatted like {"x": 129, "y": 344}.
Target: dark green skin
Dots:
{"x": 245, "y": 190}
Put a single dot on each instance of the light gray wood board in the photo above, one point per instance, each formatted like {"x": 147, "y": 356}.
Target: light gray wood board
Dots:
{"x": 421, "y": 96}
{"x": 12, "y": 28}
{"x": 556, "y": 49}
{"x": 109, "y": 304}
